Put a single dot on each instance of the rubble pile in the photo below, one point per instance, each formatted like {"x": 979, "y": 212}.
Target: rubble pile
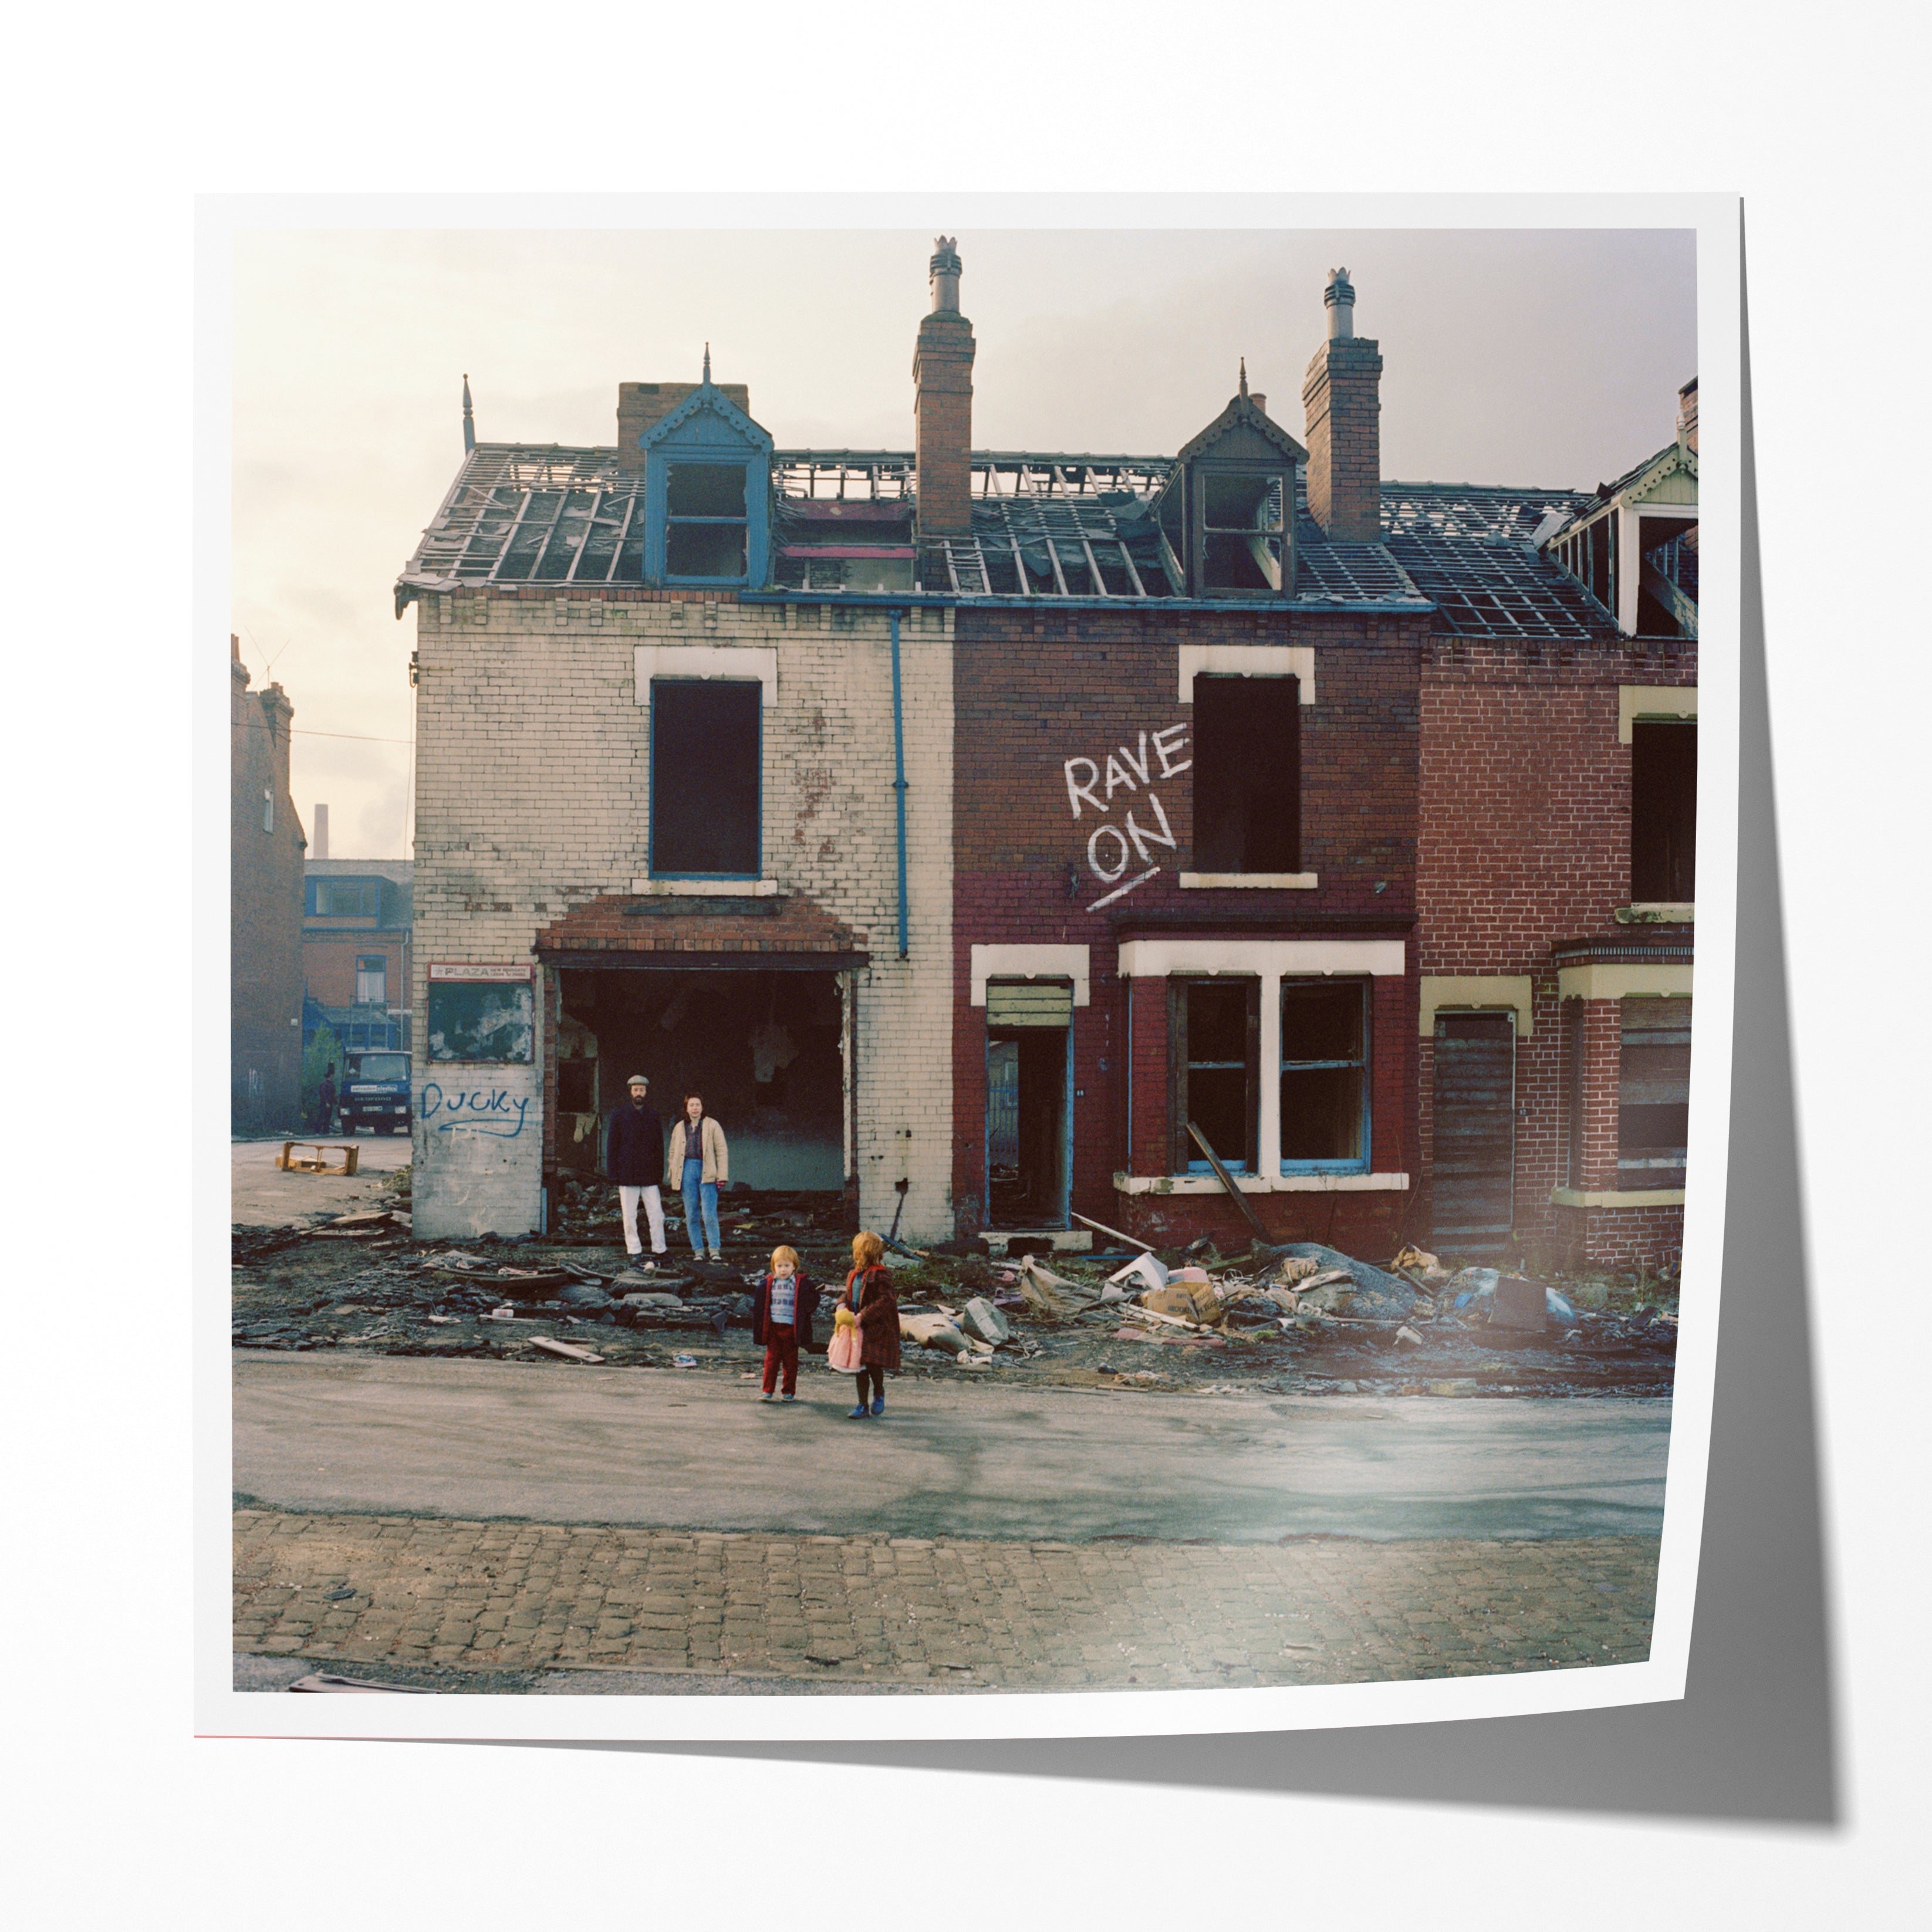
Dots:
{"x": 1296, "y": 1318}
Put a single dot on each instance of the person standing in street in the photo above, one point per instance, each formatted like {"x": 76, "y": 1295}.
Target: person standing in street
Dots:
{"x": 634, "y": 1158}
{"x": 869, "y": 1294}
{"x": 699, "y": 1166}
{"x": 325, "y": 1106}
{"x": 781, "y": 1313}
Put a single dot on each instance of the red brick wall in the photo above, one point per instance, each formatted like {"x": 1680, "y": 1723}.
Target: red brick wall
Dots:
{"x": 265, "y": 912}
{"x": 1618, "y": 1240}
{"x": 1341, "y": 395}
{"x": 1525, "y": 817}
{"x": 1033, "y": 687}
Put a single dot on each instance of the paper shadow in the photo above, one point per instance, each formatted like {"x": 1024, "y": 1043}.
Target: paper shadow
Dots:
{"x": 1755, "y": 1737}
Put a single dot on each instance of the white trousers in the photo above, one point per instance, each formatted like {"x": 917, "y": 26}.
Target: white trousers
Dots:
{"x": 627, "y": 1199}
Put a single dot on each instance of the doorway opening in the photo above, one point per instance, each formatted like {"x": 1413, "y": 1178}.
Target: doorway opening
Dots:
{"x": 1029, "y": 1103}
{"x": 1474, "y": 1170}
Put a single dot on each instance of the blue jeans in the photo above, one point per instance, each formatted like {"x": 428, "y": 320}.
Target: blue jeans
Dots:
{"x": 696, "y": 1187}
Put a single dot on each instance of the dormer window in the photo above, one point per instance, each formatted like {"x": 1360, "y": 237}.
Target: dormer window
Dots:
{"x": 707, "y": 494}
{"x": 1228, "y": 508}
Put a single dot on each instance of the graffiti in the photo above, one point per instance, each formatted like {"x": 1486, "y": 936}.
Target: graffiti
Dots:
{"x": 475, "y": 1111}
{"x": 1112, "y": 847}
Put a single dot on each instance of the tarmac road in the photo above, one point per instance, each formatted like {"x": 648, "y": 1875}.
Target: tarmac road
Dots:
{"x": 262, "y": 1195}
{"x": 568, "y": 1444}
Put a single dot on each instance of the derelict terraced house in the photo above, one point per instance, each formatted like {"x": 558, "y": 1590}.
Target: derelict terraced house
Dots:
{"x": 980, "y": 825}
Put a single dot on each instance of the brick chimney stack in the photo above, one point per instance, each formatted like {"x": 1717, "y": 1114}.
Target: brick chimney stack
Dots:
{"x": 1687, "y": 415}
{"x": 1342, "y": 393}
{"x": 942, "y": 374}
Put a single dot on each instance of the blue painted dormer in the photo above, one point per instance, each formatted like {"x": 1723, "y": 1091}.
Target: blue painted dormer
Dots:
{"x": 707, "y": 494}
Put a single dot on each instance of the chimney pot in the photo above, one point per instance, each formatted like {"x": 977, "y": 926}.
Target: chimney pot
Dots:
{"x": 319, "y": 846}
{"x": 944, "y": 272}
{"x": 1340, "y": 296}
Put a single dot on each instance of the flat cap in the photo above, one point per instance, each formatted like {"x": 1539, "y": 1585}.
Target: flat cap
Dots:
{"x": 636, "y": 1080}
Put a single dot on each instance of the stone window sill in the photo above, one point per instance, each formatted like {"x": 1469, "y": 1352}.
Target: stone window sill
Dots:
{"x": 1656, "y": 912}
{"x": 1616, "y": 1197}
{"x": 705, "y": 888}
{"x": 1216, "y": 882}
{"x": 1262, "y": 1183}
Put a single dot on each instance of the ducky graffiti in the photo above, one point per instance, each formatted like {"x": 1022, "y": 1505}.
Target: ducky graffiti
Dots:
{"x": 474, "y": 1111}
{"x": 1112, "y": 848}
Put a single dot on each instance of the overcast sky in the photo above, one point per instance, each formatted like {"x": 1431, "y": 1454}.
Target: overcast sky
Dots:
{"x": 1549, "y": 357}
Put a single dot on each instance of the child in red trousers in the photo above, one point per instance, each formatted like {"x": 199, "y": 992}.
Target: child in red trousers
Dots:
{"x": 781, "y": 1313}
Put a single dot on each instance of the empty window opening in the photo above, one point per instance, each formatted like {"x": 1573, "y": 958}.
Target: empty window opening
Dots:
{"x": 1664, "y": 811}
{"x": 1242, "y": 533}
{"x": 371, "y": 980}
{"x": 1247, "y": 774}
{"x": 1667, "y": 576}
{"x": 705, "y": 748}
{"x": 705, "y": 535}
{"x": 1653, "y": 1092}
{"x": 1325, "y": 1072}
{"x": 1215, "y": 1028}
{"x": 1029, "y": 1110}
{"x": 345, "y": 899}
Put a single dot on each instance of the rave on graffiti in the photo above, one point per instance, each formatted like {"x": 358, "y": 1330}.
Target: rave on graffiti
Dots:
{"x": 1113, "y": 846}
{"x": 475, "y": 1111}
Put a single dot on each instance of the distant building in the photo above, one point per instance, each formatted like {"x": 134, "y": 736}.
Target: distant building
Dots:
{"x": 355, "y": 950}
{"x": 264, "y": 883}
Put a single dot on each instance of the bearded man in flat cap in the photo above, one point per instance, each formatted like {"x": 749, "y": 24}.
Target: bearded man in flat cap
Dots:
{"x": 634, "y": 1159}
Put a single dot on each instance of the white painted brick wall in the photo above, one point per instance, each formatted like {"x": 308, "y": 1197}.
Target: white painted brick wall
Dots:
{"x": 532, "y": 796}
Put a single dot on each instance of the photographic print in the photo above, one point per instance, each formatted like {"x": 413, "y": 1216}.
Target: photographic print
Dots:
{"x": 962, "y": 962}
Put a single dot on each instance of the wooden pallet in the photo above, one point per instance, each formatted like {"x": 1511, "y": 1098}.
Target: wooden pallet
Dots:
{"x": 290, "y": 1162}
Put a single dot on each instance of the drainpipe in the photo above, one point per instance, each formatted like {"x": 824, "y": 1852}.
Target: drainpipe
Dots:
{"x": 899, "y": 777}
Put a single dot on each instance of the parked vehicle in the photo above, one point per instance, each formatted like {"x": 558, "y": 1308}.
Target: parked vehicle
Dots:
{"x": 376, "y": 1093}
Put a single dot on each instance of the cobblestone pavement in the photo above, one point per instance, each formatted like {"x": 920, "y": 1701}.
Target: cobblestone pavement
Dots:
{"x": 919, "y": 1614}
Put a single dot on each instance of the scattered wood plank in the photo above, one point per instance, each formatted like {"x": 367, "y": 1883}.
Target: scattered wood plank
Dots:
{"x": 1227, "y": 1180}
{"x": 569, "y": 1351}
{"x": 1113, "y": 1234}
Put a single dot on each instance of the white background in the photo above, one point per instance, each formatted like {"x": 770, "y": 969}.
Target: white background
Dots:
{"x": 118, "y": 122}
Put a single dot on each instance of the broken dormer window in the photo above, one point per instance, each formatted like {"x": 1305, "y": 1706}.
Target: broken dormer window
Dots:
{"x": 1242, "y": 534}
{"x": 705, "y": 524}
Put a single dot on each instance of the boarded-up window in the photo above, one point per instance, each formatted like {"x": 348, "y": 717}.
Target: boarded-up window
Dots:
{"x": 1475, "y": 1116}
{"x": 1324, "y": 1073}
{"x": 1653, "y": 1092}
{"x": 704, "y": 779}
{"x": 1247, "y": 774}
{"x": 1664, "y": 811}
{"x": 1215, "y": 1035}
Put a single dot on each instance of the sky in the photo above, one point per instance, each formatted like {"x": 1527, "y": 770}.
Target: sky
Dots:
{"x": 1550, "y": 357}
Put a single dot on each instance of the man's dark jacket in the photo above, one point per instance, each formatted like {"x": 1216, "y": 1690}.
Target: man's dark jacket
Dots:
{"x": 633, "y": 1154}
{"x": 804, "y": 1308}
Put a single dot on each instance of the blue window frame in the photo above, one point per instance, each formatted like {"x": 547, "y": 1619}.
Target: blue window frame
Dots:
{"x": 707, "y": 783}
{"x": 1324, "y": 1076}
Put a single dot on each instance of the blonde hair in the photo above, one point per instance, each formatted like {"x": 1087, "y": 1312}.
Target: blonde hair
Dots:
{"x": 868, "y": 1249}
{"x": 783, "y": 1255}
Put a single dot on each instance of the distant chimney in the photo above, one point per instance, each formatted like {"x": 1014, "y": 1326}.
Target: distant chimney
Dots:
{"x": 469, "y": 419}
{"x": 1341, "y": 395}
{"x": 318, "y": 846}
{"x": 1687, "y": 415}
{"x": 642, "y": 405}
{"x": 942, "y": 374}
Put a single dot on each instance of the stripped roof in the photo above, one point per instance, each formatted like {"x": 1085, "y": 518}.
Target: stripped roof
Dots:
{"x": 1044, "y": 525}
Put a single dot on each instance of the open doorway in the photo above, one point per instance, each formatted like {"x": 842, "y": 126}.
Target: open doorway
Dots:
{"x": 1029, "y": 1104}
{"x": 763, "y": 1049}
